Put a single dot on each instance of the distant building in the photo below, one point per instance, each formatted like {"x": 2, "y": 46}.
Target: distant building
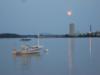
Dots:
{"x": 90, "y": 29}
{"x": 71, "y": 28}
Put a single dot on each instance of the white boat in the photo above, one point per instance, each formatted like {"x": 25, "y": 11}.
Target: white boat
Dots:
{"x": 25, "y": 49}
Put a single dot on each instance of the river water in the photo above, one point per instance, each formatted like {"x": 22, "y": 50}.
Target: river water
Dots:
{"x": 65, "y": 56}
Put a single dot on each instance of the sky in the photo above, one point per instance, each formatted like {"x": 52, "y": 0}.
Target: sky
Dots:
{"x": 48, "y": 16}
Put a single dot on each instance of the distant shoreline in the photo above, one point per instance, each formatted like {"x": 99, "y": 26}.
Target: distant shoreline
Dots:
{"x": 10, "y": 35}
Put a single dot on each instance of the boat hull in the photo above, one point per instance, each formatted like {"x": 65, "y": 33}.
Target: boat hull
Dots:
{"x": 25, "y": 52}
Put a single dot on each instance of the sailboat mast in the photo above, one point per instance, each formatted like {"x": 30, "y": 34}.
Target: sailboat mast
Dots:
{"x": 38, "y": 39}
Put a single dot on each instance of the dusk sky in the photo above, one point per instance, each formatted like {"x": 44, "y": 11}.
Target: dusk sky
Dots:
{"x": 48, "y": 16}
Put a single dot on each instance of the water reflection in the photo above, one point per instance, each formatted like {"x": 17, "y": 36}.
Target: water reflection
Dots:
{"x": 90, "y": 46}
{"x": 25, "y": 60}
{"x": 70, "y": 55}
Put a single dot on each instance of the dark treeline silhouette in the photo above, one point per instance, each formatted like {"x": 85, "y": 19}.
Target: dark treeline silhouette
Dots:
{"x": 13, "y": 35}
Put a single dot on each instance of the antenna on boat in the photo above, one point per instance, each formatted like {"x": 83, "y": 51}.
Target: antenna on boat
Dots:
{"x": 38, "y": 39}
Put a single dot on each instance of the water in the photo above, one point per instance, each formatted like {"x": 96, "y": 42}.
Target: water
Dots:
{"x": 79, "y": 56}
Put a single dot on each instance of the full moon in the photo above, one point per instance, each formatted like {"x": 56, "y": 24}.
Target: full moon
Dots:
{"x": 69, "y": 13}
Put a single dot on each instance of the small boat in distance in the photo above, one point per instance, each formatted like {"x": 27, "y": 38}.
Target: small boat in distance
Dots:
{"x": 25, "y": 49}
{"x": 25, "y": 39}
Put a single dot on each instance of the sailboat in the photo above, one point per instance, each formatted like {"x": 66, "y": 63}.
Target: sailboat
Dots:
{"x": 25, "y": 49}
